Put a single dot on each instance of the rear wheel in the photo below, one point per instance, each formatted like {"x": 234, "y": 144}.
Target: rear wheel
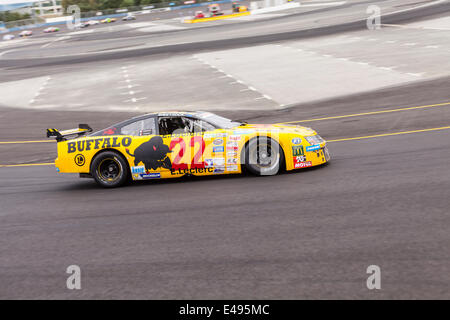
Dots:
{"x": 263, "y": 156}
{"x": 109, "y": 169}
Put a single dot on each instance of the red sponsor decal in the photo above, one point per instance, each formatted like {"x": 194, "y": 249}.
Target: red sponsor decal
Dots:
{"x": 301, "y": 164}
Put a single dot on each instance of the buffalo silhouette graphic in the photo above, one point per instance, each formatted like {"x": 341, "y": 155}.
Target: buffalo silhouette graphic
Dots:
{"x": 153, "y": 154}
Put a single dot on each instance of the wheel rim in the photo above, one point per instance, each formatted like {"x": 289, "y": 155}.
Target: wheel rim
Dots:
{"x": 109, "y": 170}
{"x": 264, "y": 156}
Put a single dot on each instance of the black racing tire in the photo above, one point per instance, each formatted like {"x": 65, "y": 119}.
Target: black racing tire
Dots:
{"x": 110, "y": 169}
{"x": 263, "y": 156}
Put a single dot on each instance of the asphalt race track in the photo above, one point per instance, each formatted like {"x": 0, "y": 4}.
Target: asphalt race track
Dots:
{"x": 382, "y": 200}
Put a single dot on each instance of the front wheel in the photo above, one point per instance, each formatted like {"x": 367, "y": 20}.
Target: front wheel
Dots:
{"x": 263, "y": 156}
{"x": 109, "y": 169}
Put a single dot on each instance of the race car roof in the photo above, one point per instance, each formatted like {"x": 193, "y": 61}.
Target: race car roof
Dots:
{"x": 171, "y": 113}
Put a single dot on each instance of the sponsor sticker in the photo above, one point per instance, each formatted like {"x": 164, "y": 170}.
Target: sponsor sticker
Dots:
{"x": 232, "y": 161}
{"x": 154, "y": 175}
{"x": 79, "y": 160}
{"x": 232, "y": 144}
{"x": 218, "y": 142}
{"x": 233, "y": 168}
{"x": 232, "y": 148}
{"x": 297, "y": 151}
{"x": 221, "y": 134}
{"x": 234, "y": 138}
{"x": 300, "y": 158}
{"x": 218, "y": 149}
{"x": 191, "y": 171}
{"x": 243, "y": 131}
{"x": 209, "y": 163}
{"x": 138, "y": 169}
{"x": 313, "y": 148}
{"x": 298, "y": 165}
{"x": 174, "y": 114}
{"x": 219, "y": 170}
{"x": 218, "y": 162}
{"x": 296, "y": 141}
{"x": 215, "y": 135}
{"x": 231, "y": 154}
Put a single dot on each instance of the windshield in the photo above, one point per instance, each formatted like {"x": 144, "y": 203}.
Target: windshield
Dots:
{"x": 218, "y": 121}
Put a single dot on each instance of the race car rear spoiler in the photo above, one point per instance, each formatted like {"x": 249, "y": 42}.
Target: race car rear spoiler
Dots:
{"x": 61, "y": 135}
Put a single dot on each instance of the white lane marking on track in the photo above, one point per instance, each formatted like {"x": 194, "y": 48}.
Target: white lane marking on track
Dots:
{"x": 56, "y": 40}
{"x": 400, "y": 26}
{"x": 131, "y": 92}
{"x": 5, "y": 52}
{"x": 415, "y": 74}
{"x": 387, "y": 68}
{"x": 39, "y": 92}
{"x": 130, "y": 86}
{"x": 46, "y": 45}
{"x": 264, "y": 97}
{"x": 335, "y": 3}
{"x": 417, "y": 7}
{"x": 127, "y": 108}
{"x": 135, "y": 99}
{"x": 80, "y": 32}
{"x": 227, "y": 75}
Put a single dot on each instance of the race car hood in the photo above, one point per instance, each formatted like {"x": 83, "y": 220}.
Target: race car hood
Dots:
{"x": 304, "y": 131}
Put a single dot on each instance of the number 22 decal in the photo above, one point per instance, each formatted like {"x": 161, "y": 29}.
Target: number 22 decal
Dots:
{"x": 196, "y": 160}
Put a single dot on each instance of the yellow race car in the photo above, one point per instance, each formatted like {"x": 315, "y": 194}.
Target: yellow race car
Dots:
{"x": 175, "y": 144}
{"x": 108, "y": 20}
